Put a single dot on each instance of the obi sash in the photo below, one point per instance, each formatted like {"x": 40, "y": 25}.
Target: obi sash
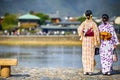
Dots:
{"x": 105, "y": 36}
{"x": 89, "y": 32}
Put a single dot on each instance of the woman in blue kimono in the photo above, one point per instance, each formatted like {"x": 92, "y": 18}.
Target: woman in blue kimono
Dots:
{"x": 109, "y": 41}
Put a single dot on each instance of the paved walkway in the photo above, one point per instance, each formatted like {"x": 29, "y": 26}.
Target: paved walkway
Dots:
{"x": 22, "y": 73}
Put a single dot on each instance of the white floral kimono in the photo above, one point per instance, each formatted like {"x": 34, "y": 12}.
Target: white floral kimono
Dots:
{"x": 107, "y": 47}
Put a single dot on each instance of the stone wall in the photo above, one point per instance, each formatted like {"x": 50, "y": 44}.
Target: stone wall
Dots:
{"x": 40, "y": 38}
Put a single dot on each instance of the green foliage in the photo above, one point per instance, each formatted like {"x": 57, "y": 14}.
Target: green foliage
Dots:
{"x": 117, "y": 25}
{"x": 9, "y": 22}
{"x": 31, "y": 12}
{"x": 81, "y": 19}
{"x": 98, "y": 23}
{"x": 32, "y": 31}
{"x": 6, "y": 14}
{"x": 43, "y": 17}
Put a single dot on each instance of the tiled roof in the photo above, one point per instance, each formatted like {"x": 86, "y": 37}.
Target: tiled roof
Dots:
{"x": 58, "y": 27}
{"x": 70, "y": 23}
{"x": 29, "y": 16}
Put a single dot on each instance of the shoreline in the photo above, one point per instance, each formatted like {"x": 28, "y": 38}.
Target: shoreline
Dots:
{"x": 37, "y": 73}
{"x": 40, "y": 43}
{"x": 40, "y": 40}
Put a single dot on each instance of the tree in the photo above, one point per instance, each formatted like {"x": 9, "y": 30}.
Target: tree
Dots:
{"x": 43, "y": 17}
{"x": 9, "y": 22}
{"x": 31, "y": 12}
{"x": 6, "y": 14}
{"x": 81, "y": 19}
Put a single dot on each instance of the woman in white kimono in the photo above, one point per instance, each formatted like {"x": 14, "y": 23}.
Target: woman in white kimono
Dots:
{"x": 109, "y": 41}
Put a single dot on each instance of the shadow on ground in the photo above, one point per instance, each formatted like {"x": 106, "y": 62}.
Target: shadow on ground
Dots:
{"x": 20, "y": 75}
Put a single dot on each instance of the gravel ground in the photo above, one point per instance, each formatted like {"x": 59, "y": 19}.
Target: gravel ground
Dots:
{"x": 25, "y": 73}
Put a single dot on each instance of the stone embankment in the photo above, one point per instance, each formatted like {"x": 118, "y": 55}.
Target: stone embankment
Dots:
{"x": 40, "y": 40}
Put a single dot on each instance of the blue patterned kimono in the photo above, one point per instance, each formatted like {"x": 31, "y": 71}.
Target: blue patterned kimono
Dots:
{"x": 107, "y": 47}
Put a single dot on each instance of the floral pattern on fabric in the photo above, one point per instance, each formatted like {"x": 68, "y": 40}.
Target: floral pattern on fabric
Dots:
{"x": 107, "y": 47}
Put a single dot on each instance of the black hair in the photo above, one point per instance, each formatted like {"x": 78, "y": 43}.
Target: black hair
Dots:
{"x": 88, "y": 13}
{"x": 105, "y": 17}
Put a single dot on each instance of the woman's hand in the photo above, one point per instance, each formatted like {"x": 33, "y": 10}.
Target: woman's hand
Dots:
{"x": 95, "y": 44}
{"x": 81, "y": 38}
{"x": 114, "y": 46}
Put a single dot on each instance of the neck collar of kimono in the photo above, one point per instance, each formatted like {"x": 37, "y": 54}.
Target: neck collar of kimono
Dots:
{"x": 88, "y": 20}
{"x": 105, "y": 23}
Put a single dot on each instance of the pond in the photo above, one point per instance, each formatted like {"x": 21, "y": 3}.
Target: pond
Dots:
{"x": 48, "y": 56}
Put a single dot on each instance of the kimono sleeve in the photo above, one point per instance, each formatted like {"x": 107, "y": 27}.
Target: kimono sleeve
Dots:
{"x": 115, "y": 38}
{"x": 80, "y": 28}
{"x": 96, "y": 33}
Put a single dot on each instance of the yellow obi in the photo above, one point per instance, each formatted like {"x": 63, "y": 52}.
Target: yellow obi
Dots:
{"x": 105, "y": 35}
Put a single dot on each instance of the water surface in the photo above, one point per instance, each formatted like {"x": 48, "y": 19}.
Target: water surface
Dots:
{"x": 48, "y": 56}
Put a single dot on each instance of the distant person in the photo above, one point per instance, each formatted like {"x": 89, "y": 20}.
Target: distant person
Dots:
{"x": 89, "y": 33}
{"x": 109, "y": 41}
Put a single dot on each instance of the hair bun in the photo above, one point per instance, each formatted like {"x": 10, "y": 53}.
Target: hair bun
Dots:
{"x": 88, "y": 13}
{"x": 105, "y": 16}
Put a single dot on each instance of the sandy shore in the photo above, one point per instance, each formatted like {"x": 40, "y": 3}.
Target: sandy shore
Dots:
{"x": 25, "y": 73}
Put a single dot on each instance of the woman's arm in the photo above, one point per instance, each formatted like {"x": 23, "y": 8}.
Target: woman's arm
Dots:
{"x": 80, "y": 28}
{"x": 96, "y": 35}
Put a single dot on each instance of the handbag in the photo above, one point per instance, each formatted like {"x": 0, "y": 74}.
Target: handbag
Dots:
{"x": 95, "y": 62}
{"x": 96, "y": 51}
{"x": 115, "y": 57}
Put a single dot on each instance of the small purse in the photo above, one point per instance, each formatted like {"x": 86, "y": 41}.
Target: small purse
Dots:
{"x": 96, "y": 51}
{"x": 95, "y": 62}
{"x": 115, "y": 57}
